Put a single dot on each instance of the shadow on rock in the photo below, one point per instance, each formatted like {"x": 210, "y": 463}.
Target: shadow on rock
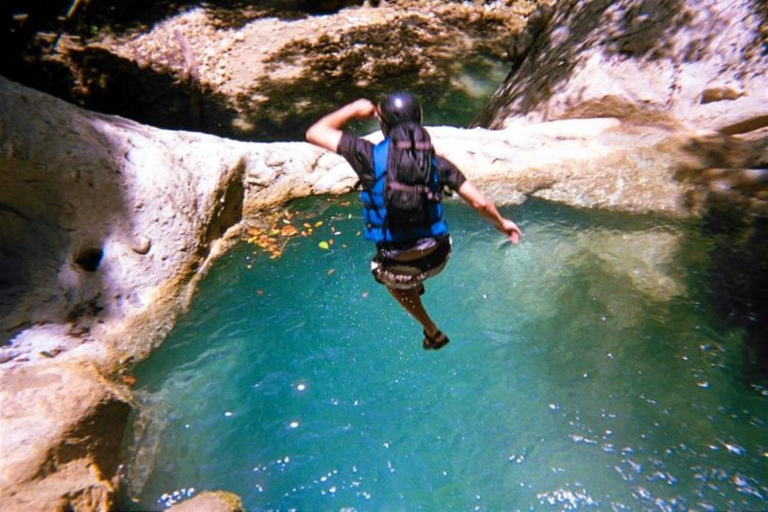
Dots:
{"x": 52, "y": 267}
{"x": 335, "y": 71}
{"x": 118, "y": 86}
{"x": 21, "y": 19}
{"x": 304, "y": 79}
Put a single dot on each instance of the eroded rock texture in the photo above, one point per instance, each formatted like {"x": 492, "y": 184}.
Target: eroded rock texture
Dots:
{"x": 700, "y": 62}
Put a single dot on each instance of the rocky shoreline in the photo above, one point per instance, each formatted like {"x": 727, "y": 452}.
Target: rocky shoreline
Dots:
{"x": 108, "y": 224}
{"x": 74, "y": 329}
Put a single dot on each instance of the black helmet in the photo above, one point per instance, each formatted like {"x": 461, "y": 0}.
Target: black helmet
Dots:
{"x": 399, "y": 107}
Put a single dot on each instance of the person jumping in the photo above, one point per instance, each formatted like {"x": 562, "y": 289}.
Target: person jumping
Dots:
{"x": 403, "y": 182}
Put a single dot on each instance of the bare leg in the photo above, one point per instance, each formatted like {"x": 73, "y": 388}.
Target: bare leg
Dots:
{"x": 411, "y": 302}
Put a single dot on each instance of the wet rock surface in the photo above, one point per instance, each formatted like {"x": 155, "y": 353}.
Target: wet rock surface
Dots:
{"x": 215, "y": 501}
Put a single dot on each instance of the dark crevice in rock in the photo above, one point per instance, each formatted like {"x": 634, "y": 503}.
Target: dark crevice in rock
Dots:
{"x": 229, "y": 205}
{"x": 8, "y": 209}
{"x": 228, "y": 211}
{"x": 89, "y": 259}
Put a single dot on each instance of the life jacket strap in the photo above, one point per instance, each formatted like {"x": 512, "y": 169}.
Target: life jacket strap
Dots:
{"x": 410, "y": 144}
{"x": 422, "y": 189}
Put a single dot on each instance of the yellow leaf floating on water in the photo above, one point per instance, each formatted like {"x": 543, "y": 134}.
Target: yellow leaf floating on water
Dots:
{"x": 272, "y": 233}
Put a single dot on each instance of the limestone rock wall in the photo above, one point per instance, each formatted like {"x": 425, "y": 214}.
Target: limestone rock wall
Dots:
{"x": 700, "y": 62}
{"x": 97, "y": 212}
{"x": 105, "y": 226}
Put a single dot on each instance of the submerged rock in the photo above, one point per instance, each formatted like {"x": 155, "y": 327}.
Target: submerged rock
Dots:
{"x": 211, "y": 501}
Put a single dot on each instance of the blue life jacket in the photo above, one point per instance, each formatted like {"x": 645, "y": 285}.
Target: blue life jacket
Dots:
{"x": 375, "y": 208}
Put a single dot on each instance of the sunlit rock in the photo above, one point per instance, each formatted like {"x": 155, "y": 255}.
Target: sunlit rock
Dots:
{"x": 61, "y": 428}
{"x": 701, "y": 63}
{"x": 211, "y": 501}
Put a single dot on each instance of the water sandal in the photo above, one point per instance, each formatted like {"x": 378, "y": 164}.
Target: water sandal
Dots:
{"x": 436, "y": 343}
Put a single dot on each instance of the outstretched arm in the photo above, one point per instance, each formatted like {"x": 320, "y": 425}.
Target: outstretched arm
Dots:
{"x": 488, "y": 211}
{"x": 327, "y": 133}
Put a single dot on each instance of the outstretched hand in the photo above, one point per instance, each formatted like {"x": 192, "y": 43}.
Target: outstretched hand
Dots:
{"x": 510, "y": 229}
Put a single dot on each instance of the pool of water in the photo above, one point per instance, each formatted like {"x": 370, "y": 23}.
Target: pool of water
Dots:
{"x": 586, "y": 369}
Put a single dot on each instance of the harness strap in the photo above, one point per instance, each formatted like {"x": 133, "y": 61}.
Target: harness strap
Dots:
{"x": 423, "y": 189}
{"x": 409, "y": 144}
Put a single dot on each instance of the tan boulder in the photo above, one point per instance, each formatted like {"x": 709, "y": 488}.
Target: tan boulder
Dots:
{"x": 61, "y": 427}
{"x": 211, "y": 501}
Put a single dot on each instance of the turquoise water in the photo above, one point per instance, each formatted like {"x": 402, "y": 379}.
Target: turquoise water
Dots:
{"x": 587, "y": 370}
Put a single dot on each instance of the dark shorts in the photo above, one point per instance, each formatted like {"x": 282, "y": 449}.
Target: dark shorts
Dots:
{"x": 399, "y": 269}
